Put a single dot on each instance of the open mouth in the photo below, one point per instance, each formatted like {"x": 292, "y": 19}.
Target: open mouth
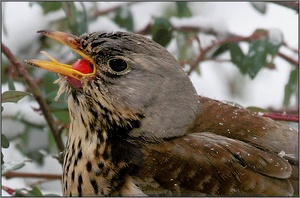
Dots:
{"x": 82, "y": 68}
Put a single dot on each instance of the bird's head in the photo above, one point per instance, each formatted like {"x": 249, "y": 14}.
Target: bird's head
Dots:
{"x": 126, "y": 77}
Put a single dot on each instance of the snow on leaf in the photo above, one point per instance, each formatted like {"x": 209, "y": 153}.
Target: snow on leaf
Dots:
{"x": 274, "y": 41}
{"x": 204, "y": 23}
{"x": 255, "y": 59}
{"x": 13, "y": 165}
{"x": 275, "y": 36}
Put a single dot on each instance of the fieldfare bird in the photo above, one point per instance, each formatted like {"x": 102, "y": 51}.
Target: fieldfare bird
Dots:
{"x": 138, "y": 127}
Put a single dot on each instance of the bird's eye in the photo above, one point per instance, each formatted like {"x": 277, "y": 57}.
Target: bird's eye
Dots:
{"x": 117, "y": 65}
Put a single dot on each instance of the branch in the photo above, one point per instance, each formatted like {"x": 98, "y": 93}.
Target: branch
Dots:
{"x": 103, "y": 12}
{"x": 288, "y": 59}
{"x": 282, "y": 117}
{"x": 292, "y": 5}
{"x": 182, "y": 28}
{"x": 22, "y": 72}
{"x": 233, "y": 39}
{"x": 11, "y": 175}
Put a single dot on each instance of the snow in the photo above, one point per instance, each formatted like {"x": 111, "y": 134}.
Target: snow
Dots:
{"x": 24, "y": 108}
{"x": 275, "y": 36}
{"x": 22, "y": 25}
{"x": 201, "y": 22}
{"x": 106, "y": 25}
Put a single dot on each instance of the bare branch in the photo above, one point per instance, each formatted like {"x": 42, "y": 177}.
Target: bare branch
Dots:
{"x": 282, "y": 117}
{"x": 182, "y": 28}
{"x": 11, "y": 175}
{"x": 22, "y": 72}
{"x": 103, "y": 12}
{"x": 289, "y": 59}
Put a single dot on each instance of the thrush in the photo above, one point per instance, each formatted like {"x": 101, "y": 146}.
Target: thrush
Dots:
{"x": 138, "y": 127}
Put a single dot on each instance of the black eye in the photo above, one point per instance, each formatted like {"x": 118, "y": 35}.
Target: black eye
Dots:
{"x": 117, "y": 65}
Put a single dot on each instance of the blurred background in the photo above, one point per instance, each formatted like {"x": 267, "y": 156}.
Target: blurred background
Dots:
{"x": 244, "y": 53}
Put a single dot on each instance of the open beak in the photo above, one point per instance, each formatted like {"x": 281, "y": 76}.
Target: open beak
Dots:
{"x": 64, "y": 69}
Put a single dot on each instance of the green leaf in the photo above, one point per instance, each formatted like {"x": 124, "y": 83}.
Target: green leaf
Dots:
{"x": 62, "y": 116}
{"x": 82, "y": 20}
{"x": 70, "y": 12}
{"x": 123, "y": 17}
{"x": 162, "y": 31}
{"x": 257, "y": 109}
{"x": 255, "y": 59}
{"x": 49, "y": 6}
{"x": 34, "y": 192}
{"x": 13, "y": 96}
{"x": 183, "y": 9}
{"x": 223, "y": 48}
{"x": 23, "y": 192}
{"x": 260, "y": 6}
{"x": 51, "y": 96}
{"x": 48, "y": 84}
{"x": 291, "y": 87}
{"x": 54, "y": 106}
{"x": 237, "y": 55}
{"x": 13, "y": 165}
{"x": 2, "y": 158}
{"x": 4, "y": 141}
{"x": 11, "y": 85}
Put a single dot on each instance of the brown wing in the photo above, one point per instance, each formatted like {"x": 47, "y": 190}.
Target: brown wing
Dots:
{"x": 216, "y": 165}
{"x": 238, "y": 123}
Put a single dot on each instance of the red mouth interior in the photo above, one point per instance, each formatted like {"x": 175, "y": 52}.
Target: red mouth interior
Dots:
{"x": 83, "y": 66}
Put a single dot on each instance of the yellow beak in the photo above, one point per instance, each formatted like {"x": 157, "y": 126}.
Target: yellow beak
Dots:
{"x": 64, "y": 69}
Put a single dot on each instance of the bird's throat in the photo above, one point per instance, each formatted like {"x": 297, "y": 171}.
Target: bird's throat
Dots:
{"x": 89, "y": 168}
{"x": 85, "y": 167}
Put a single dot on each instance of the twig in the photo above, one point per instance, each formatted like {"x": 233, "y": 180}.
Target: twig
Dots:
{"x": 10, "y": 175}
{"x": 22, "y": 72}
{"x": 233, "y": 39}
{"x": 103, "y": 12}
{"x": 292, "y": 5}
{"x": 289, "y": 59}
{"x": 291, "y": 48}
{"x": 282, "y": 117}
{"x": 182, "y": 28}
